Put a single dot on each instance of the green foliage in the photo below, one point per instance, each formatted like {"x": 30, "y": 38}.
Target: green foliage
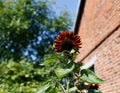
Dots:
{"x": 19, "y": 77}
{"x": 28, "y": 27}
{"x": 43, "y": 88}
{"x": 56, "y": 74}
{"x": 89, "y": 77}
{"x": 24, "y": 77}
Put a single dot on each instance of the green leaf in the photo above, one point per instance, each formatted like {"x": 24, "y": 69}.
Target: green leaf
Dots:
{"x": 50, "y": 60}
{"x": 52, "y": 90}
{"x": 43, "y": 88}
{"x": 73, "y": 89}
{"x": 61, "y": 72}
{"x": 90, "y": 77}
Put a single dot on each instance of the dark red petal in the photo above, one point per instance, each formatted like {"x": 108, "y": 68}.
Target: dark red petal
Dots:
{"x": 62, "y": 34}
{"x": 76, "y": 36}
{"x": 71, "y": 35}
{"x": 58, "y": 50}
{"x": 57, "y": 41}
{"x": 65, "y": 34}
{"x": 58, "y": 45}
{"x": 77, "y": 41}
{"x": 60, "y": 37}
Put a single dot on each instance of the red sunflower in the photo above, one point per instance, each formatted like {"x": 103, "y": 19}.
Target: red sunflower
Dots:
{"x": 67, "y": 41}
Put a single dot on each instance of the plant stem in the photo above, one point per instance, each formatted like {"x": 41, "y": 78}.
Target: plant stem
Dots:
{"x": 63, "y": 89}
{"x": 67, "y": 83}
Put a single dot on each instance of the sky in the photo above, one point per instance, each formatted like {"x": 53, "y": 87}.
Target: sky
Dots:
{"x": 70, "y": 5}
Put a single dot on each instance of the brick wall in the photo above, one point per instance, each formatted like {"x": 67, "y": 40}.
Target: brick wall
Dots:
{"x": 100, "y": 34}
{"x": 100, "y": 18}
{"x": 107, "y": 65}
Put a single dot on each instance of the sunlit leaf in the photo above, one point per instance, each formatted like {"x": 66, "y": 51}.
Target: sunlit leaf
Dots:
{"x": 50, "y": 60}
{"x": 43, "y": 88}
{"x": 89, "y": 77}
{"x": 73, "y": 89}
{"x": 61, "y": 72}
{"x": 53, "y": 90}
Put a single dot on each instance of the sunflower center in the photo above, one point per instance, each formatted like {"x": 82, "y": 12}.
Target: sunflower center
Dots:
{"x": 67, "y": 44}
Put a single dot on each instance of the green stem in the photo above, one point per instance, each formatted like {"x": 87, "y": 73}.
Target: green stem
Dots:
{"x": 63, "y": 89}
{"x": 67, "y": 86}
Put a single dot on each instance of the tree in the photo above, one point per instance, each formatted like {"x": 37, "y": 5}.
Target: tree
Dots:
{"x": 28, "y": 28}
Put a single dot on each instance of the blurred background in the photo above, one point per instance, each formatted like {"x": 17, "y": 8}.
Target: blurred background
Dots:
{"x": 27, "y": 32}
{"x": 28, "y": 27}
